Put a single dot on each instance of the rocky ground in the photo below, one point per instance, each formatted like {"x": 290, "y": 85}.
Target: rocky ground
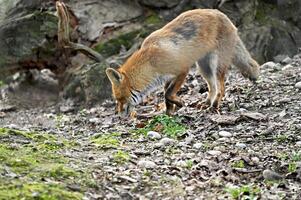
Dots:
{"x": 252, "y": 150}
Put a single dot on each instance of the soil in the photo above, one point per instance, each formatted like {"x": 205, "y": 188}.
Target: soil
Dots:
{"x": 251, "y": 150}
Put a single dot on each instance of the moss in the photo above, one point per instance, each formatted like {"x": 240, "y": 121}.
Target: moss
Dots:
{"x": 264, "y": 11}
{"x": 106, "y": 141}
{"x": 34, "y": 161}
{"x": 170, "y": 126}
{"x": 153, "y": 19}
{"x": 60, "y": 172}
{"x": 121, "y": 157}
{"x": 34, "y": 191}
{"x": 114, "y": 45}
{"x": 25, "y": 159}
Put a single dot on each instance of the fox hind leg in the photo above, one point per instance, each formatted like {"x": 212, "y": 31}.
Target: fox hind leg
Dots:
{"x": 208, "y": 69}
{"x": 221, "y": 73}
{"x": 171, "y": 89}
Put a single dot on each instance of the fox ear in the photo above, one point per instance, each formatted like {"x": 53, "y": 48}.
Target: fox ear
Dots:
{"x": 114, "y": 76}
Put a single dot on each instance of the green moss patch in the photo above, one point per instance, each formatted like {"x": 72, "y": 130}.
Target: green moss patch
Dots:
{"x": 35, "y": 190}
{"x": 33, "y": 167}
{"x": 114, "y": 45}
{"x": 106, "y": 141}
{"x": 169, "y": 126}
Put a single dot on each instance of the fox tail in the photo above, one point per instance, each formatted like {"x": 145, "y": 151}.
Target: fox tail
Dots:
{"x": 244, "y": 62}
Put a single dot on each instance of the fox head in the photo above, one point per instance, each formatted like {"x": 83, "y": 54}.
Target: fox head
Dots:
{"x": 121, "y": 91}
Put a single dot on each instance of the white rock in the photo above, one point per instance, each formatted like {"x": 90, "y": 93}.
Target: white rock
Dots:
{"x": 241, "y": 145}
{"x": 182, "y": 144}
{"x": 298, "y": 143}
{"x": 189, "y": 139}
{"x": 286, "y": 60}
{"x": 268, "y": 65}
{"x": 147, "y": 164}
{"x": 223, "y": 140}
{"x": 270, "y": 175}
{"x": 214, "y": 152}
{"x": 255, "y": 160}
{"x": 153, "y": 135}
{"x": 225, "y": 134}
{"x": 12, "y": 126}
{"x": 279, "y": 58}
{"x": 167, "y": 141}
{"x": 286, "y": 67}
{"x": 181, "y": 163}
{"x": 94, "y": 120}
{"x": 197, "y": 145}
{"x": 195, "y": 82}
{"x": 298, "y": 85}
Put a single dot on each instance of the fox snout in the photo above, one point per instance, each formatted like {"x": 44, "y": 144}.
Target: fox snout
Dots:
{"x": 124, "y": 110}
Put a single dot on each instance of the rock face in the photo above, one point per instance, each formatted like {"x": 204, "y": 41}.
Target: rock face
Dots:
{"x": 94, "y": 15}
{"x": 160, "y": 4}
{"x": 23, "y": 36}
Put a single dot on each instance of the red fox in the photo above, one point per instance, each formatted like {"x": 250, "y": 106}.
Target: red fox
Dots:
{"x": 206, "y": 37}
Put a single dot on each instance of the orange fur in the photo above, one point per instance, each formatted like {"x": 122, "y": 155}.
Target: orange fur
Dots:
{"x": 203, "y": 35}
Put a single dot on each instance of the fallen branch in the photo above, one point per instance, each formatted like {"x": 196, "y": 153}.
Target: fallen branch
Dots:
{"x": 64, "y": 34}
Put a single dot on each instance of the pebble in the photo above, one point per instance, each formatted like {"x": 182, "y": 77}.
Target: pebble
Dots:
{"x": 189, "y": 139}
{"x": 286, "y": 60}
{"x": 298, "y": 85}
{"x": 94, "y": 120}
{"x": 241, "y": 145}
{"x": 225, "y": 134}
{"x": 270, "y": 175}
{"x": 223, "y": 140}
{"x": 12, "y": 126}
{"x": 167, "y": 141}
{"x": 147, "y": 164}
{"x": 286, "y": 67}
{"x": 197, "y": 145}
{"x": 268, "y": 65}
{"x": 255, "y": 160}
{"x": 153, "y": 135}
{"x": 214, "y": 152}
{"x": 181, "y": 163}
{"x": 182, "y": 144}
{"x": 279, "y": 58}
{"x": 66, "y": 109}
{"x": 298, "y": 143}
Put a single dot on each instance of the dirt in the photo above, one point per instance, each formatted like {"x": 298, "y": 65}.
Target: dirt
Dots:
{"x": 251, "y": 150}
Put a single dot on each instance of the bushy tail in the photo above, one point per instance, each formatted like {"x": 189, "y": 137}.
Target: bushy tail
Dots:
{"x": 244, "y": 62}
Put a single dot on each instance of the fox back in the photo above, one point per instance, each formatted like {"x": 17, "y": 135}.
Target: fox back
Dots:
{"x": 205, "y": 36}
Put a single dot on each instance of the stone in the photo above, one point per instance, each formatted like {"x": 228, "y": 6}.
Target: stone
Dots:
{"x": 94, "y": 120}
{"x": 254, "y": 115}
{"x": 298, "y": 85}
{"x": 286, "y": 60}
{"x": 241, "y": 145}
{"x": 189, "y": 139}
{"x": 298, "y": 143}
{"x": 214, "y": 152}
{"x": 147, "y": 164}
{"x": 197, "y": 145}
{"x": 279, "y": 58}
{"x": 225, "y": 134}
{"x": 167, "y": 141}
{"x": 255, "y": 160}
{"x": 270, "y": 175}
{"x": 153, "y": 135}
{"x": 287, "y": 67}
{"x": 268, "y": 65}
{"x": 160, "y": 4}
{"x": 181, "y": 163}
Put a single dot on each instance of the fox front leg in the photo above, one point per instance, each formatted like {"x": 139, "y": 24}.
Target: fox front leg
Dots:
{"x": 171, "y": 89}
